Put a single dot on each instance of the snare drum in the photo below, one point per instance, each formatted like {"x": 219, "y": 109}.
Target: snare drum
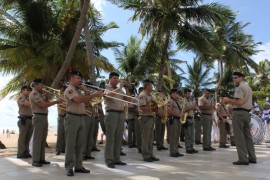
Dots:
{"x": 257, "y": 129}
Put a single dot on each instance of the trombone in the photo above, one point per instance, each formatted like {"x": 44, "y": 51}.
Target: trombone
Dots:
{"x": 98, "y": 88}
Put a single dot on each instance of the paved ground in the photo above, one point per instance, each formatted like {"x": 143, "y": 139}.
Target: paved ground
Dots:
{"x": 202, "y": 166}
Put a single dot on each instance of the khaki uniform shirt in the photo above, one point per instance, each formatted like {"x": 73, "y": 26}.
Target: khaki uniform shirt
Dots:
{"x": 173, "y": 105}
{"x": 145, "y": 98}
{"x": 113, "y": 104}
{"x": 244, "y": 92}
{"x": 23, "y": 110}
{"x": 189, "y": 104}
{"x": 203, "y": 101}
{"x": 229, "y": 109}
{"x": 73, "y": 107}
{"x": 61, "y": 108}
{"x": 221, "y": 110}
{"x": 34, "y": 98}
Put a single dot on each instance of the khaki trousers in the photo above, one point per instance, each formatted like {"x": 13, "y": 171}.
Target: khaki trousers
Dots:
{"x": 147, "y": 123}
{"x": 189, "y": 134}
{"x": 222, "y": 132}
{"x": 198, "y": 129}
{"x": 25, "y": 134}
{"x": 243, "y": 139}
{"x": 60, "y": 142}
{"x": 74, "y": 133}
{"x": 207, "y": 123}
{"x": 138, "y": 132}
{"x": 89, "y": 125}
{"x": 174, "y": 136}
{"x": 160, "y": 132}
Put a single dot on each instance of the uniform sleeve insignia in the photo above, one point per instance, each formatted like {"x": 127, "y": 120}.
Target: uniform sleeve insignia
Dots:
{"x": 70, "y": 91}
{"x": 37, "y": 97}
{"x": 35, "y": 93}
{"x": 141, "y": 101}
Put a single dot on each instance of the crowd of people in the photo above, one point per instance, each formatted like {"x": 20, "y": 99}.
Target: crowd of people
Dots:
{"x": 80, "y": 112}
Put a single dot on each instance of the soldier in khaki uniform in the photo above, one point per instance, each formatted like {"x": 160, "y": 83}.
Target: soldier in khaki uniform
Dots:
{"x": 242, "y": 103}
{"x": 174, "y": 112}
{"x": 74, "y": 123}
{"x": 114, "y": 120}
{"x": 39, "y": 104}
{"x": 147, "y": 106}
{"x": 138, "y": 127}
{"x": 160, "y": 129}
{"x": 206, "y": 106}
{"x": 60, "y": 141}
{"x": 222, "y": 121}
{"x": 24, "y": 123}
{"x": 89, "y": 124}
{"x": 229, "y": 110}
{"x": 132, "y": 113}
{"x": 189, "y": 125}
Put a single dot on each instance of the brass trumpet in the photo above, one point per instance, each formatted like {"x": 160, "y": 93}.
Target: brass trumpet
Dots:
{"x": 98, "y": 88}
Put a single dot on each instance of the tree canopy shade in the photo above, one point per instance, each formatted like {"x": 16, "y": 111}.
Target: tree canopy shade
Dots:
{"x": 35, "y": 36}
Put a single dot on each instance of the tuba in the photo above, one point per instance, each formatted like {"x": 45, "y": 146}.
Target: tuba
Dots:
{"x": 184, "y": 114}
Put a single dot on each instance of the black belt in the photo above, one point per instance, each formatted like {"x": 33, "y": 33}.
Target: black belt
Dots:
{"x": 241, "y": 109}
{"x": 26, "y": 117}
{"x": 146, "y": 116}
{"x": 114, "y": 111}
{"x": 206, "y": 114}
{"x": 75, "y": 114}
{"x": 43, "y": 114}
{"x": 61, "y": 115}
{"x": 189, "y": 117}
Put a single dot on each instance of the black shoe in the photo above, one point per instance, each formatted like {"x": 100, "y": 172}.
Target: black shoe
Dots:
{"x": 240, "y": 163}
{"x": 22, "y": 157}
{"x": 233, "y": 144}
{"x": 84, "y": 158}
{"x": 45, "y": 162}
{"x": 252, "y": 161}
{"x": 70, "y": 172}
{"x": 58, "y": 153}
{"x": 207, "y": 149}
{"x": 164, "y": 148}
{"x": 189, "y": 152}
{"x": 82, "y": 170}
{"x": 154, "y": 158}
{"x": 101, "y": 142}
{"x": 213, "y": 149}
{"x": 122, "y": 153}
{"x": 90, "y": 157}
{"x": 159, "y": 148}
{"x": 174, "y": 155}
{"x": 120, "y": 163}
{"x": 140, "y": 150}
{"x": 63, "y": 151}
{"x": 28, "y": 155}
{"x": 194, "y": 150}
{"x": 179, "y": 146}
{"x": 95, "y": 149}
{"x": 148, "y": 159}
{"x": 198, "y": 142}
{"x": 36, "y": 164}
{"x": 179, "y": 154}
{"x": 110, "y": 165}
{"x": 224, "y": 146}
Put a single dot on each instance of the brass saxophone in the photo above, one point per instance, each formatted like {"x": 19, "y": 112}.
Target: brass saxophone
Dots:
{"x": 184, "y": 114}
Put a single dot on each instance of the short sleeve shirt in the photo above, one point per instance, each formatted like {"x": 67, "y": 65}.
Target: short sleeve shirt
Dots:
{"x": 145, "y": 98}
{"x": 37, "y": 97}
{"x": 244, "y": 92}
{"x": 71, "y": 106}
{"x": 114, "y": 104}
{"x": 221, "y": 110}
{"x": 203, "y": 101}
{"x": 23, "y": 110}
{"x": 189, "y": 105}
{"x": 173, "y": 105}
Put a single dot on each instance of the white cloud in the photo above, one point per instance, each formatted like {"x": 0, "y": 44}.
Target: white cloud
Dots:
{"x": 98, "y": 4}
{"x": 264, "y": 54}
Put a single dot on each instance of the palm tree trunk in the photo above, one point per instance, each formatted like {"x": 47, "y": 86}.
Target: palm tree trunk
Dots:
{"x": 163, "y": 62}
{"x": 169, "y": 73}
{"x": 90, "y": 54}
{"x": 73, "y": 45}
{"x": 220, "y": 67}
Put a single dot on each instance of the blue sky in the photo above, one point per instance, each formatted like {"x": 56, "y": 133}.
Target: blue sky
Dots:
{"x": 255, "y": 12}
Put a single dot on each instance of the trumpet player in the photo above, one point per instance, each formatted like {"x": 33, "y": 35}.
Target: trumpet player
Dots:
{"x": 60, "y": 141}
{"x": 207, "y": 108}
{"x": 74, "y": 123}
{"x": 39, "y": 106}
{"x": 114, "y": 119}
{"x": 174, "y": 112}
{"x": 188, "y": 127}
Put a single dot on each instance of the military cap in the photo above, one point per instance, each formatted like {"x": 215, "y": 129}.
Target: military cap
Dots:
{"x": 26, "y": 87}
{"x": 187, "y": 90}
{"x": 113, "y": 74}
{"x": 38, "y": 81}
{"x": 72, "y": 73}
{"x": 173, "y": 91}
{"x": 239, "y": 74}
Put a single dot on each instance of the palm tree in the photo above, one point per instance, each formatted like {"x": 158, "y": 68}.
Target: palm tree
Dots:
{"x": 28, "y": 52}
{"x": 198, "y": 76}
{"x": 178, "y": 20}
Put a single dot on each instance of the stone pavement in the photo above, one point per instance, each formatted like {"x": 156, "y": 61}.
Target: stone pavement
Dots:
{"x": 201, "y": 166}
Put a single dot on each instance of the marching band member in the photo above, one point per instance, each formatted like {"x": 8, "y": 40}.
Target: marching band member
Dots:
{"x": 132, "y": 118}
{"x": 114, "y": 120}
{"x": 146, "y": 112}
{"x": 174, "y": 112}
{"x": 74, "y": 123}
{"x": 206, "y": 107}
{"x": 266, "y": 118}
{"x": 24, "y": 123}
{"x": 138, "y": 127}
{"x": 242, "y": 103}
{"x": 189, "y": 125}
{"x": 222, "y": 121}
{"x": 60, "y": 141}
{"x": 39, "y": 104}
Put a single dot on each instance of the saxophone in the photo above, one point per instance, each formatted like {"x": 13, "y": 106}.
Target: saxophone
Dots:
{"x": 184, "y": 114}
